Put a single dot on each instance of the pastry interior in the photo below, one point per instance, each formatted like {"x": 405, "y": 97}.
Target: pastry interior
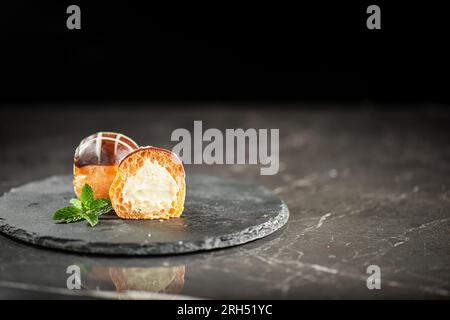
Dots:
{"x": 149, "y": 184}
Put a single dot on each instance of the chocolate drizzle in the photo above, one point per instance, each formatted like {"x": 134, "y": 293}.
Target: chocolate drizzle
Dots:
{"x": 103, "y": 148}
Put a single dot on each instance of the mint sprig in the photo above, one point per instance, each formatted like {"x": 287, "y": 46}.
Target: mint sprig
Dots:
{"x": 86, "y": 208}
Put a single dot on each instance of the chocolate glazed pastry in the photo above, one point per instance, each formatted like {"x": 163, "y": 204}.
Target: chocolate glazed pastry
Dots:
{"x": 96, "y": 160}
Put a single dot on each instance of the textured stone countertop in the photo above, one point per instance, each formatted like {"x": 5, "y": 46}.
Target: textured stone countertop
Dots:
{"x": 364, "y": 186}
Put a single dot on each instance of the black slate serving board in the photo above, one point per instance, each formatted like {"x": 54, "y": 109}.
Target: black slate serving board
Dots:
{"x": 218, "y": 213}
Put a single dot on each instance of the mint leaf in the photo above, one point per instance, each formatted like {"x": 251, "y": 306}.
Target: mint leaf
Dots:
{"x": 73, "y": 219}
{"x": 91, "y": 217}
{"x": 84, "y": 208}
{"x": 100, "y": 206}
{"x": 76, "y": 203}
{"x": 87, "y": 196}
{"x": 67, "y": 214}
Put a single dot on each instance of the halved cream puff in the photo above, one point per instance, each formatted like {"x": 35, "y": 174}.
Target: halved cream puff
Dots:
{"x": 96, "y": 160}
{"x": 150, "y": 184}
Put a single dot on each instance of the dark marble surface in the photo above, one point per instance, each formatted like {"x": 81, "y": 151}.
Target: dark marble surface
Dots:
{"x": 218, "y": 213}
{"x": 364, "y": 187}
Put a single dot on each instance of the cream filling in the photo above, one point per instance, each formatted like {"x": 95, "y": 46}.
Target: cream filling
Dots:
{"x": 151, "y": 189}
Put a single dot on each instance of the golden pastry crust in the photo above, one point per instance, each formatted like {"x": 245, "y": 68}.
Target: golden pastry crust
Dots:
{"x": 130, "y": 165}
{"x": 98, "y": 177}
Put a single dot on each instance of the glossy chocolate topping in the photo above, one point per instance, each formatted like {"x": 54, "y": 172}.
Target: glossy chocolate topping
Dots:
{"x": 103, "y": 148}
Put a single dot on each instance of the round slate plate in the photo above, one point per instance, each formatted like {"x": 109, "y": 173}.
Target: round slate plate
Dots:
{"x": 218, "y": 213}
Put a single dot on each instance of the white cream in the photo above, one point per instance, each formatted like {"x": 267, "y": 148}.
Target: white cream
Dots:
{"x": 151, "y": 189}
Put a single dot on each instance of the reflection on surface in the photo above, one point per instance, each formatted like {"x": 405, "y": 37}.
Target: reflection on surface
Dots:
{"x": 148, "y": 279}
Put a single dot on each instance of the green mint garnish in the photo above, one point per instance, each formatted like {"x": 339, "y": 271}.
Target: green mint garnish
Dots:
{"x": 85, "y": 208}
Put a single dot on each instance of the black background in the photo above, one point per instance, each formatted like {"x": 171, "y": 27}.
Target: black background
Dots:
{"x": 226, "y": 51}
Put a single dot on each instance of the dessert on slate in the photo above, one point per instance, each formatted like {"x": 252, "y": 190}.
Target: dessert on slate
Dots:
{"x": 149, "y": 184}
{"x": 110, "y": 169}
{"x": 96, "y": 160}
